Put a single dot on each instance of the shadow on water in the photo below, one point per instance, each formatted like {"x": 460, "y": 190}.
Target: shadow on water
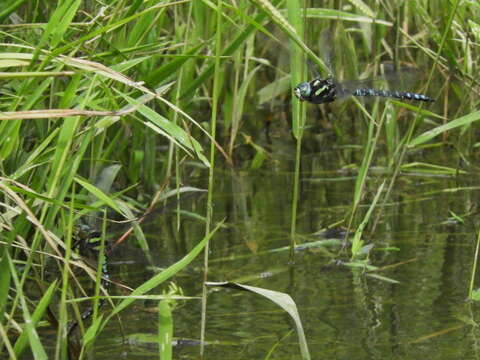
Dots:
{"x": 345, "y": 314}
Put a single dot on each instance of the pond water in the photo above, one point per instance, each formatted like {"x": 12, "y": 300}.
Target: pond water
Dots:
{"x": 345, "y": 314}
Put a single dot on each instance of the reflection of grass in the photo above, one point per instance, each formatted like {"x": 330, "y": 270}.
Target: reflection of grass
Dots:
{"x": 86, "y": 89}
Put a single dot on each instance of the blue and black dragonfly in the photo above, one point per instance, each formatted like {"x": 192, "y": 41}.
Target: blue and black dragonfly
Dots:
{"x": 325, "y": 90}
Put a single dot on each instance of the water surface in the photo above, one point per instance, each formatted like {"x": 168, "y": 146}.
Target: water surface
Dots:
{"x": 345, "y": 314}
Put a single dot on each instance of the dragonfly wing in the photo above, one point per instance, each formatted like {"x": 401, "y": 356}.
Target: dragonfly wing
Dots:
{"x": 345, "y": 89}
{"x": 326, "y": 44}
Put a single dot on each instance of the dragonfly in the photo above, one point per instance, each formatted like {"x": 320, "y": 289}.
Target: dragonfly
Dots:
{"x": 323, "y": 90}
{"x": 326, "y": 90}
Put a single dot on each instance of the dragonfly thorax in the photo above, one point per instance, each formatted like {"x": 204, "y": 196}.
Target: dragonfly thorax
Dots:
{"x": 317, "y": 91}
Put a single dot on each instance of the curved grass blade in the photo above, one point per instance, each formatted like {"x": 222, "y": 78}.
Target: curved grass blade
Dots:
{"x": 164, "y": 275}
{"x": 98, "y": 194}
{"x": 462, "y": 121}
{"x": 169, "y": 129}
{"x": 281, "y": 299}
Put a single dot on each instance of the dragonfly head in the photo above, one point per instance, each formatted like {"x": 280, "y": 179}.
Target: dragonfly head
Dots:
{"x": 303, "y": 90}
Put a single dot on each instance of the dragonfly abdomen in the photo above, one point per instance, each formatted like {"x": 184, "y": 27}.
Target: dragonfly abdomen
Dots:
{"x": 401, "y": 95}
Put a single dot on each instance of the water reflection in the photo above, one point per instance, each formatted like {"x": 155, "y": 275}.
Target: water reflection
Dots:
{"x": 346, "y": 315}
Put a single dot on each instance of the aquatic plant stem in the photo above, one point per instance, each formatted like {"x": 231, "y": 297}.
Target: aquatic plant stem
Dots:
{"x": 62, "y": 332}
{"x": 474, "y": 267}
{"x": 213, "y": 128}
{"x": 296, "y": 182}
{"x": 297, "y": 67}
{"x": 178, "y": 179}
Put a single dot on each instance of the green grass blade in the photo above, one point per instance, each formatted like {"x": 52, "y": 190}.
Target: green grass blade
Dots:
{"x": 382, "y": 278}
{"x": 357, "y": 241}
{"x": 239, "y": 102}
{"x": 344, "y": 16}
{"x": 37, "y": 315}
{"x": 10, "y": 9}
{"x": 474, "y": 270}
{"x": 99, "y": 194}
{"x": 165, "y": 71}
{"x": 31, "y": 161}
{"x": 229, "y": 50}
{"x": 33, "y": 339}
{"x": 164, "y": 275}
{"x": 428, "y": 135}
{"x": 426, "y": 168}
{"x": 60, "y": 24}
{"x": 290, "y": 29}
{"x": 169, "y": 129}
{"x": 5, "y": 280}
{"x": 113, "y": 26}
{"x": 92, "y": 331}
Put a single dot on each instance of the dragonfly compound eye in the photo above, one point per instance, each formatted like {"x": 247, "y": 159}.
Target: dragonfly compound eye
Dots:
{"x": 303, "y": 90}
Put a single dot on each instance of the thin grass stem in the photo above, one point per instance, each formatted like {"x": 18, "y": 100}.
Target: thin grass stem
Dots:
{"x": 213, "y": 129}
